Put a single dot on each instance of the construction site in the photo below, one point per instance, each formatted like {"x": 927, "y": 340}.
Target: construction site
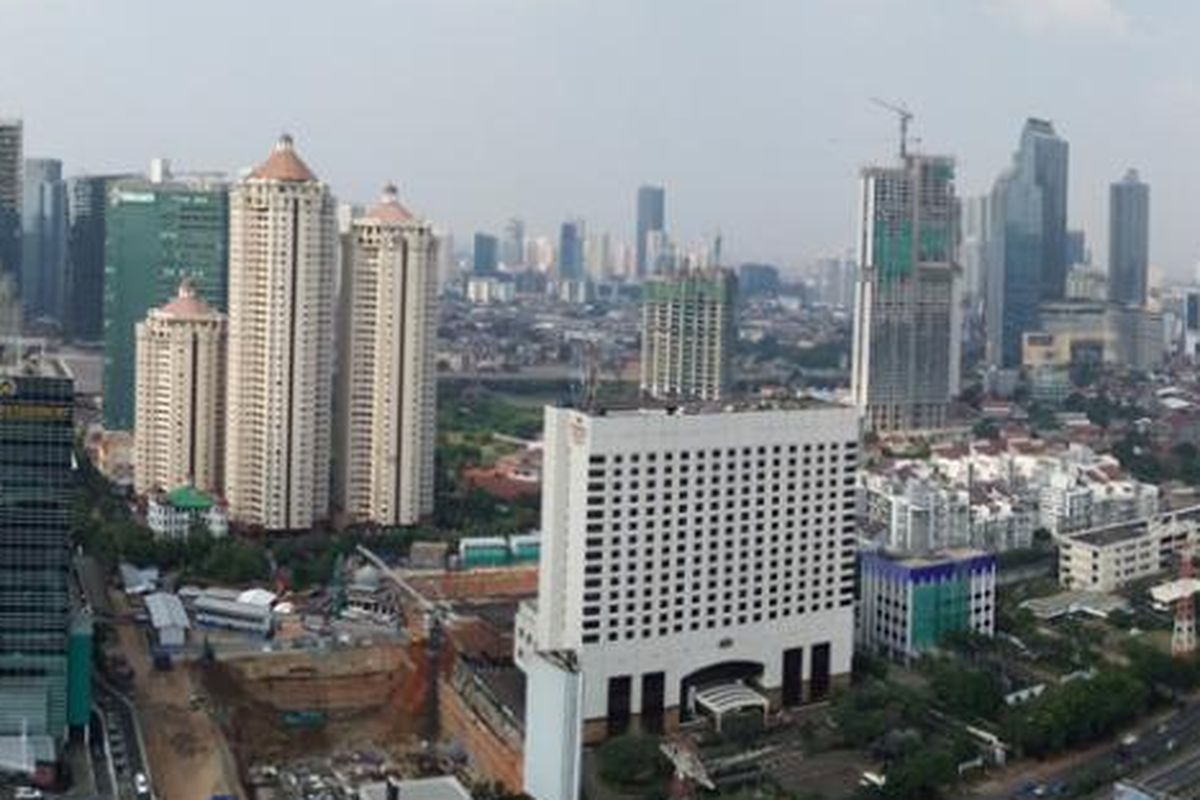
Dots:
{"x": 405, "y": 675}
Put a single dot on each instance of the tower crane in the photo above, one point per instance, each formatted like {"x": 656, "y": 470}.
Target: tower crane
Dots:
{"x": 905, "y": 115}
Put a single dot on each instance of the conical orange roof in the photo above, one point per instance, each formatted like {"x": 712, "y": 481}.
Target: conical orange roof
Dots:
{"x": 388, "y": 209}
{"x": 283, "y": 164}
{"x": 186, "y": 303}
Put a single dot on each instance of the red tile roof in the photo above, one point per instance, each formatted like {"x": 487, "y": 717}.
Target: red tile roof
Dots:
{"x": 388, "y": 209}
{"x": 283, "y": 164}
{"x": 187, "y": 303}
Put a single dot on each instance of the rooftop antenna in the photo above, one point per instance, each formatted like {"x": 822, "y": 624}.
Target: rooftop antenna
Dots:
{"x": 906, "y": 116}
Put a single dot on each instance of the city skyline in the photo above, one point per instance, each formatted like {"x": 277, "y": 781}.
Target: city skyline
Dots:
{"x": 774, "y": 159}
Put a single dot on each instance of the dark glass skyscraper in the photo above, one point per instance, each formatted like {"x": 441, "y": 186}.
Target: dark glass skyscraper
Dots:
{"x": 570, "y": 251}
{"x": 1014, "y": 260}
{"x": 651, "y": 207}
{"x": 1028, "y": 248}
{"x": 44, "y": 239}
{"x": 157, "y": 234}
{"x": 485, "y": 254}
{"x": 1044, "y": 157}
{"x": 87, "y": 202}
{"x": 1128, "y": 240}
{"x": 36, "y": 434}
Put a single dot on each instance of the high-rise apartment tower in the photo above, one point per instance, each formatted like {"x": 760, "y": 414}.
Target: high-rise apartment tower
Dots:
{"x": 282, "y": 259}
{"x": 387, "y": 388}
{"x": 688, "y": 334}
{"x": 180, "y": 399}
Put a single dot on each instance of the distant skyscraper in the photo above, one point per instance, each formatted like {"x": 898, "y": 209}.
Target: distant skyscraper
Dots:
{"x": 282, "y": 259}
{"x": 157, "y": 234}
{"x": 180, "y": 414}
{"x": 973, "y": 250}
{"x": 11, "y": 188}
{"x": 905, "y": 349}
{"x": 570, "y": 251}
{"x": 87, "y": 209}
{"x": 651, "y": 217}
{"x": 513, "y": 252}
{"x": 1043, "y": 155}
{"x": 1028, "y": 252}
{"x": 36, "y": 438}
{"x": 486, "y": 254}
{"x": 688, "y": 334}
{"x": 44, "y": 239}
{"x": 1128, "y": 240}
{"x": 1077, "y": 249}
{"x": 387, "y": 383}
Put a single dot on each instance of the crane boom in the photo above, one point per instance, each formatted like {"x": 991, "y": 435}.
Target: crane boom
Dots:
{"x": 905, "y": 115}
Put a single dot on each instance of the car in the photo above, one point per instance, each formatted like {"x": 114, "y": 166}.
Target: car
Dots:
{"x": 140, "y": 785}
{"x": 1129, "y": 740}
{"x": 27, "y": 793}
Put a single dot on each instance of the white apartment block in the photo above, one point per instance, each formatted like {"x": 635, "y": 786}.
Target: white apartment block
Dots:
{"x": 919, "y": 515}
{"x": 282, "y": 256}
{"x": 685, "y": 550}
{"x": 1105, "y": 559}
{"x": 387, "y": 390}
{"x": 180, "y": 396}
{"x": 993, "y": 497}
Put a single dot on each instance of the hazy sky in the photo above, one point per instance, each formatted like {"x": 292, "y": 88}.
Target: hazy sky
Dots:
{"x": 754, "y": 113}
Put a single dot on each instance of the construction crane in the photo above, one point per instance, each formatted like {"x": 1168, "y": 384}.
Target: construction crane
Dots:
{"x": 432, "y": 613}
{"x": 906, "y": 116}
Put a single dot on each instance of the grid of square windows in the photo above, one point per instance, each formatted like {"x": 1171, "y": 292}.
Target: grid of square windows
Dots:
{"x": 703, "y": 538}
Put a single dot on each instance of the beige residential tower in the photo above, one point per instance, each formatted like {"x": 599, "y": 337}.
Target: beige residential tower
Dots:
{"x": 282, "y": 239}
{"x": 387, "y": 381}
{"x": 180, "y": 395}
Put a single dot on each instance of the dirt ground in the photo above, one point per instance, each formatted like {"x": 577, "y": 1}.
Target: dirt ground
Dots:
{"x": 258, "y": 736}
{"x": 189, "y": 759}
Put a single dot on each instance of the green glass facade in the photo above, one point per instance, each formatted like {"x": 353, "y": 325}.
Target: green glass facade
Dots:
{"x": 156, "y": 235}
{"x": 79, "y": 670}
{"x": 36, "y": 482}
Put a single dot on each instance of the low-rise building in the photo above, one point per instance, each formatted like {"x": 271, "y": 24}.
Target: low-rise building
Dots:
{"x": 168, "y": 618}
{"x": 1106, "y": 558}
{"x": 907, "y": 605}
{"x": 218, "y": 611}
{"x": 175, "y": 514}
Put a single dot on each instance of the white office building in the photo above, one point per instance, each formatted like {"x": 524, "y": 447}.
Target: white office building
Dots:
{"x": 687, "y": 551}
{"x": 1107, "y": 558}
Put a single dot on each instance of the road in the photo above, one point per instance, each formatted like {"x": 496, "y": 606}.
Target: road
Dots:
{"x": 120, "y": 730}
{"x": 1155, "y": 738}
{"x": 1176, "y": 775}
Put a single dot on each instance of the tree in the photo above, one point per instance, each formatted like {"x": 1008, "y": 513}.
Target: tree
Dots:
{"x": 964, "y": 691}
{"x": 632, "y": 760}
{"x": 920, "y": 775}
